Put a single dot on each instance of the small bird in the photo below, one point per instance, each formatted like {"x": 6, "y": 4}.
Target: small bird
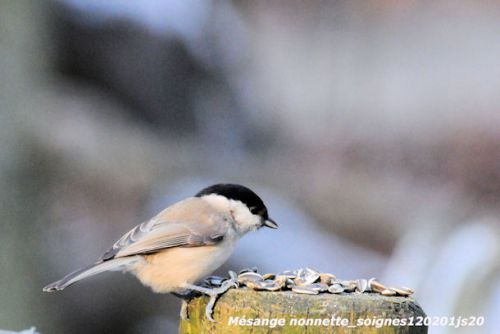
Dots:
{"x": 183, "y": 243}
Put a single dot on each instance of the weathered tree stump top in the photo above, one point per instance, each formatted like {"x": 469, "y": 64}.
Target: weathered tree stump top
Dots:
{"x": 246, "y": 311}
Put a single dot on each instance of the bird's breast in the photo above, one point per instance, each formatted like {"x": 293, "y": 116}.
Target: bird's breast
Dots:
{"x": 168, "y": 270}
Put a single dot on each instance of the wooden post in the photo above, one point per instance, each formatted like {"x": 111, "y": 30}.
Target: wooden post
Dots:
{"x": 247, "y": 311}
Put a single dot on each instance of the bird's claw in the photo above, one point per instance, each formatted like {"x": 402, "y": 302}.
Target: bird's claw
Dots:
{"x": 210, "y": 308}
{"x": 231, "y": 282}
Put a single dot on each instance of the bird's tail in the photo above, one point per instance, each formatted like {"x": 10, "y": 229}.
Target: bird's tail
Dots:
{"x": 94, "y": 269}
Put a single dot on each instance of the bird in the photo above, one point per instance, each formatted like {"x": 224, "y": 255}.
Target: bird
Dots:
{"x": 183, "y": 243}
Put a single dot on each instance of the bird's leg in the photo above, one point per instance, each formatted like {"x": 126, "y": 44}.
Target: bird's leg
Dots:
{"x": 184, "y": 310}
{"x": 186, "y": 296}
{"x": 214, "y": 293}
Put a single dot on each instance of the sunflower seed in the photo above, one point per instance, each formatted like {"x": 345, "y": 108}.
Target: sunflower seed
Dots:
{"x": 306, "y": 281}
{"x": 317, "y": 286}
{"x": 388, "y": 292}
{"x": 249, "y": 276}
{"x": 336, "y": 288}
{"x": 403, "y": 291}
{"x": 377, "y": 286}
{"x": 305, "y": 290}
{"x": 281, "y": 280}
{"x": 289, "y": 274}
{"x": 370, "y": 281}
{"x": 269, "y": 276}
{"x": 256, "y": 285}
{"x": 349, "y": 286}
{"x": 246, "y": 270}
{"x": 306, "y": 276}
{"x": 271, "y": 286}
{"x": 322, "y": 287}
{"x": 327, "y": 278}
{"x": 408, "y": 289}
{"x": 361, "y": 285}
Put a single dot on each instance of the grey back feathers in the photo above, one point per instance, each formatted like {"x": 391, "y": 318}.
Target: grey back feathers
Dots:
{"x": 188, "y": 223}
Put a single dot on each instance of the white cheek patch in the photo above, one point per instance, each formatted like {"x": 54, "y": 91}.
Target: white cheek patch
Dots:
{"x": 247, "y": 220}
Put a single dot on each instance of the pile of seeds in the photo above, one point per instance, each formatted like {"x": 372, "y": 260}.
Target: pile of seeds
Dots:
{"x": 305, "y": 281}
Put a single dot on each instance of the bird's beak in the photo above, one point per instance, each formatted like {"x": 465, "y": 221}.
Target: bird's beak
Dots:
{"x": 270, "y": 223}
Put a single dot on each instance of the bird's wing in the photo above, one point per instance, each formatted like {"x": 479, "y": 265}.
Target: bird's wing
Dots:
{"x": 189, "y": 223}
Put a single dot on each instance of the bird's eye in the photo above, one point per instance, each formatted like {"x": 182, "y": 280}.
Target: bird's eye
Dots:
{"x": 259, "y": 212}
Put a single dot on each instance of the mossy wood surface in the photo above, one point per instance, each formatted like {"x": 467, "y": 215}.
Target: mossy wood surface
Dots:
{"x": 248, "y": 304}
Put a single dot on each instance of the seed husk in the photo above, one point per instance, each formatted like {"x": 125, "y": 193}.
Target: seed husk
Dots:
{"x": 369, "y": 287}
{"x": 408, "y": 289}
{"x": 306, "y": 276}
{"x": 376, "y": 286}
{"x": 349, "y": 286}
{"x": 269, "y": 276}
{"x": 271, "y": 286}
{"x": 249, "y": 277}
{"x": 323, "y": 287}
{"x": 317, "y": 286}
{"x": 402, "y": 291}
{"x": 327, "y": 278}
{"x": 246, "y": 270}
{"x": 388, "y": 292}
{"x": 259, "y": 285}
{"x": 289, "y": 274}
{"x": 281, "y": 280}
{"x": 305, "y": 281}
{"x": 335, "y": 288}
{"x": 305, "y": 290}
{"x": 361, "y": 285}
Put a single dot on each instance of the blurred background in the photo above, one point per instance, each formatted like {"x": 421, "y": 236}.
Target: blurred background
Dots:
{"x": 370, "y": 128}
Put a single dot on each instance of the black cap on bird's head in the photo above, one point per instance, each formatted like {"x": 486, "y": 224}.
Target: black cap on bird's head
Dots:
{"x": 243, "y": 194}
